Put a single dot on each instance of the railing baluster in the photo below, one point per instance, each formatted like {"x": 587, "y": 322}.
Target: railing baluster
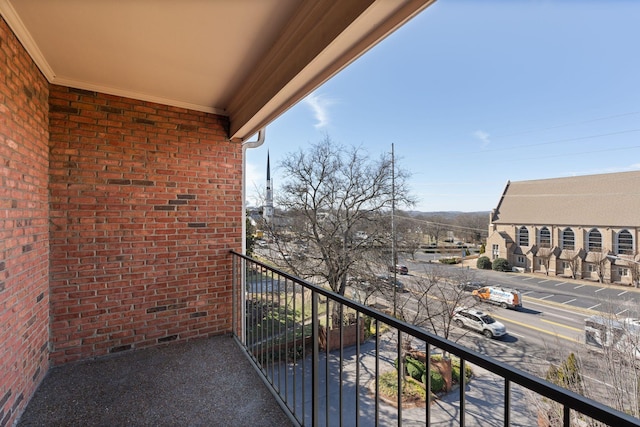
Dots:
{"x": 507, "y": 402}
{"x": 315, "y": 377}
{"x": 357, "y": 409}
{"x": 463, "y": 384}
{"x": 340, "y": 374}
{"x": 427, "y": 414}
{"x": 327, "y": 322}
{"x": 304, "y": 359}
{"x": 377, "y": 373}
{"x": 400, "y": 376}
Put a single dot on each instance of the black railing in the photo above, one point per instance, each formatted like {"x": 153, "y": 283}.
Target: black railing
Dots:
{"x": 330, "y": 360}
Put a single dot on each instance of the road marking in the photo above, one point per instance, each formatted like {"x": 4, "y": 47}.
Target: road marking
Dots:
{"x": 601, "y": 289}
{"x": 544, "y": 331}
{"x": 594, "y": 306}
{"x": 548, "y": 296}
{"x": 527, "y": 278}
{"x": 561, "y": 325}
{"x": 561, "y": 283}
{"x": 517, "y": 335}
{"x": 622, "y": 293}
{"x": 527, "y": 293}
{"x": 561, "y": 317}
{"x": 579, "y": 286}
{"x": 544, "y": 281}
{"x": 571, "y": 300}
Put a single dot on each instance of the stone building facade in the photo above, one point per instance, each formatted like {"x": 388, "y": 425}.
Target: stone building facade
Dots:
{"x": 585, "y": 227}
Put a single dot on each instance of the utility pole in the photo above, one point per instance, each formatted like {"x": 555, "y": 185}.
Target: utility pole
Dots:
{"x": 393, "y": 231}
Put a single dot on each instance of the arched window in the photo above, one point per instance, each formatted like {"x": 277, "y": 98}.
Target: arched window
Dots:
{"x": 568, "y": 239}
{"x": 594, "y": 240}
{"x": 523, "y": 236}
{"x": 625, "y": 242}
{"x": 544, "y": 237}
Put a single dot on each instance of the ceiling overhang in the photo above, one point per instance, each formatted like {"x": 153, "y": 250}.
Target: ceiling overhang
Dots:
{"x": 249, "y": 60}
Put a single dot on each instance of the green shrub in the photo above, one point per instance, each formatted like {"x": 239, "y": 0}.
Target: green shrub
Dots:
{"x": 482, "y": 248}
{"x": 437, "y": 382}
{"x": 483, "y": 263}
{"x": 501, "y": 264}
{"x": 455, "y": 371}
{"x": 415, "y": 368}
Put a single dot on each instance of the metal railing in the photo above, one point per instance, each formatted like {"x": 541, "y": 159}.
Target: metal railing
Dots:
{"x": 325, "y": 371}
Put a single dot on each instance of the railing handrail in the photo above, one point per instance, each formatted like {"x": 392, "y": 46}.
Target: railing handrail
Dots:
{"x": 575, "y": 401}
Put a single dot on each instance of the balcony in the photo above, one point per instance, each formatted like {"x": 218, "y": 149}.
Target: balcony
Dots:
{"x": 316, "y": 375}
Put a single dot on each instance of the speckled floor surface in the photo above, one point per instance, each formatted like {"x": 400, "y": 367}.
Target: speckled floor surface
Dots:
{"x": 206, "y": 382}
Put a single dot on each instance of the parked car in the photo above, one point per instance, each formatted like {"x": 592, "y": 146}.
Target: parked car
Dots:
{"x": 387, "y": 280}
{"x": 400, "y": 269}
{"x": 480, "y": 322}
{"x": 470, "y": 286}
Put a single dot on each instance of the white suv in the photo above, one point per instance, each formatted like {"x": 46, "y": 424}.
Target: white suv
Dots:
{"x": 479, "y": 321}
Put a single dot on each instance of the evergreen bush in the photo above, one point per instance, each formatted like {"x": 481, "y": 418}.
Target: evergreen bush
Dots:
{"x": 483, "y": 263}
{"x": 501, "y": 264}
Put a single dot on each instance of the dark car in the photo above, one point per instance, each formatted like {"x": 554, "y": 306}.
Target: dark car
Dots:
{"x": 470, "y": 286}
{"x": 400, "y": 269}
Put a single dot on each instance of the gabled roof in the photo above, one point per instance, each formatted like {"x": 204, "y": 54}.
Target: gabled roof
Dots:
{"x": 249, "y": 60}
{"x": 590, "y": 200}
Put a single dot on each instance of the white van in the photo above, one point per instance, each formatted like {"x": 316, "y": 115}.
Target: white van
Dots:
{"x": 504, "y": 297}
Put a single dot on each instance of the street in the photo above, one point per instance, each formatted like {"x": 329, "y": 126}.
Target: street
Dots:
{"x": 549, "y": 326}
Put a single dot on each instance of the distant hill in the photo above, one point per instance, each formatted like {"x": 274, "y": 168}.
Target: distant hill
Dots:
{"x": 446, "y": 214}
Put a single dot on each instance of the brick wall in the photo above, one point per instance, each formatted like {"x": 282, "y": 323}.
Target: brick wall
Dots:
{"x": 24, "y": 240}
{"x": 145, "y": 206}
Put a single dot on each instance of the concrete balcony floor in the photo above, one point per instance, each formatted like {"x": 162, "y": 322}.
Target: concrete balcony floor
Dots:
{"x": 206, "y": 382}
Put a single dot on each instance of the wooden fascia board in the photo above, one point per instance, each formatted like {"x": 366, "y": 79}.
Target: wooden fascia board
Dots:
{"x": 320, "y": 40}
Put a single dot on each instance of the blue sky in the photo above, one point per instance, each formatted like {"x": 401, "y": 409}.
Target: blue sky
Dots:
{"x": 475, "y": 93}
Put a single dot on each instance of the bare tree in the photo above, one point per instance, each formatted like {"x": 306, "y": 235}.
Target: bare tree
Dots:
{"x": 573, "y": 260}
{"x": 435, "y": 298}
{"x": 600, "y": 260}
{"x": 329, "y": 194}
{"x": 410, "y": 236}
{"x": 473, "y": 226}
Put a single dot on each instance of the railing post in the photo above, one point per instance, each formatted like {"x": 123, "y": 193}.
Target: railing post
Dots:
{"x": 507, "y": 402}
{"x": 315, "y": 377}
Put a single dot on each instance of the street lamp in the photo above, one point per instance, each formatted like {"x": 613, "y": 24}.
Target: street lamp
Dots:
{"x": 634, "y": 277}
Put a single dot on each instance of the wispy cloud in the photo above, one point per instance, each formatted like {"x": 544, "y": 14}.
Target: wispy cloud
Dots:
{"x": 483, "y": 137}
{"x": 320, "y": 107}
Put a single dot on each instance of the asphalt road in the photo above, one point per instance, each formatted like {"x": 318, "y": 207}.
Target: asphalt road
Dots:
{"x": 589, "y": 297}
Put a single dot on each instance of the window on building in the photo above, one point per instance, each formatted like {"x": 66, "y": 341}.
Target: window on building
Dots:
{"x": 594, "y": 240}
{"x": 523, "y": 236}
{"x": 565, "y": 265}
{"x": 625, "y": 242}
{"x": 568, "y": 239}
{"x": 495, "y": 251}
{"x": 623, "y": 272}
{"x": 544, "y": 237}
{"x": 591, "y": 268}
{"x": 520, "y": 260}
